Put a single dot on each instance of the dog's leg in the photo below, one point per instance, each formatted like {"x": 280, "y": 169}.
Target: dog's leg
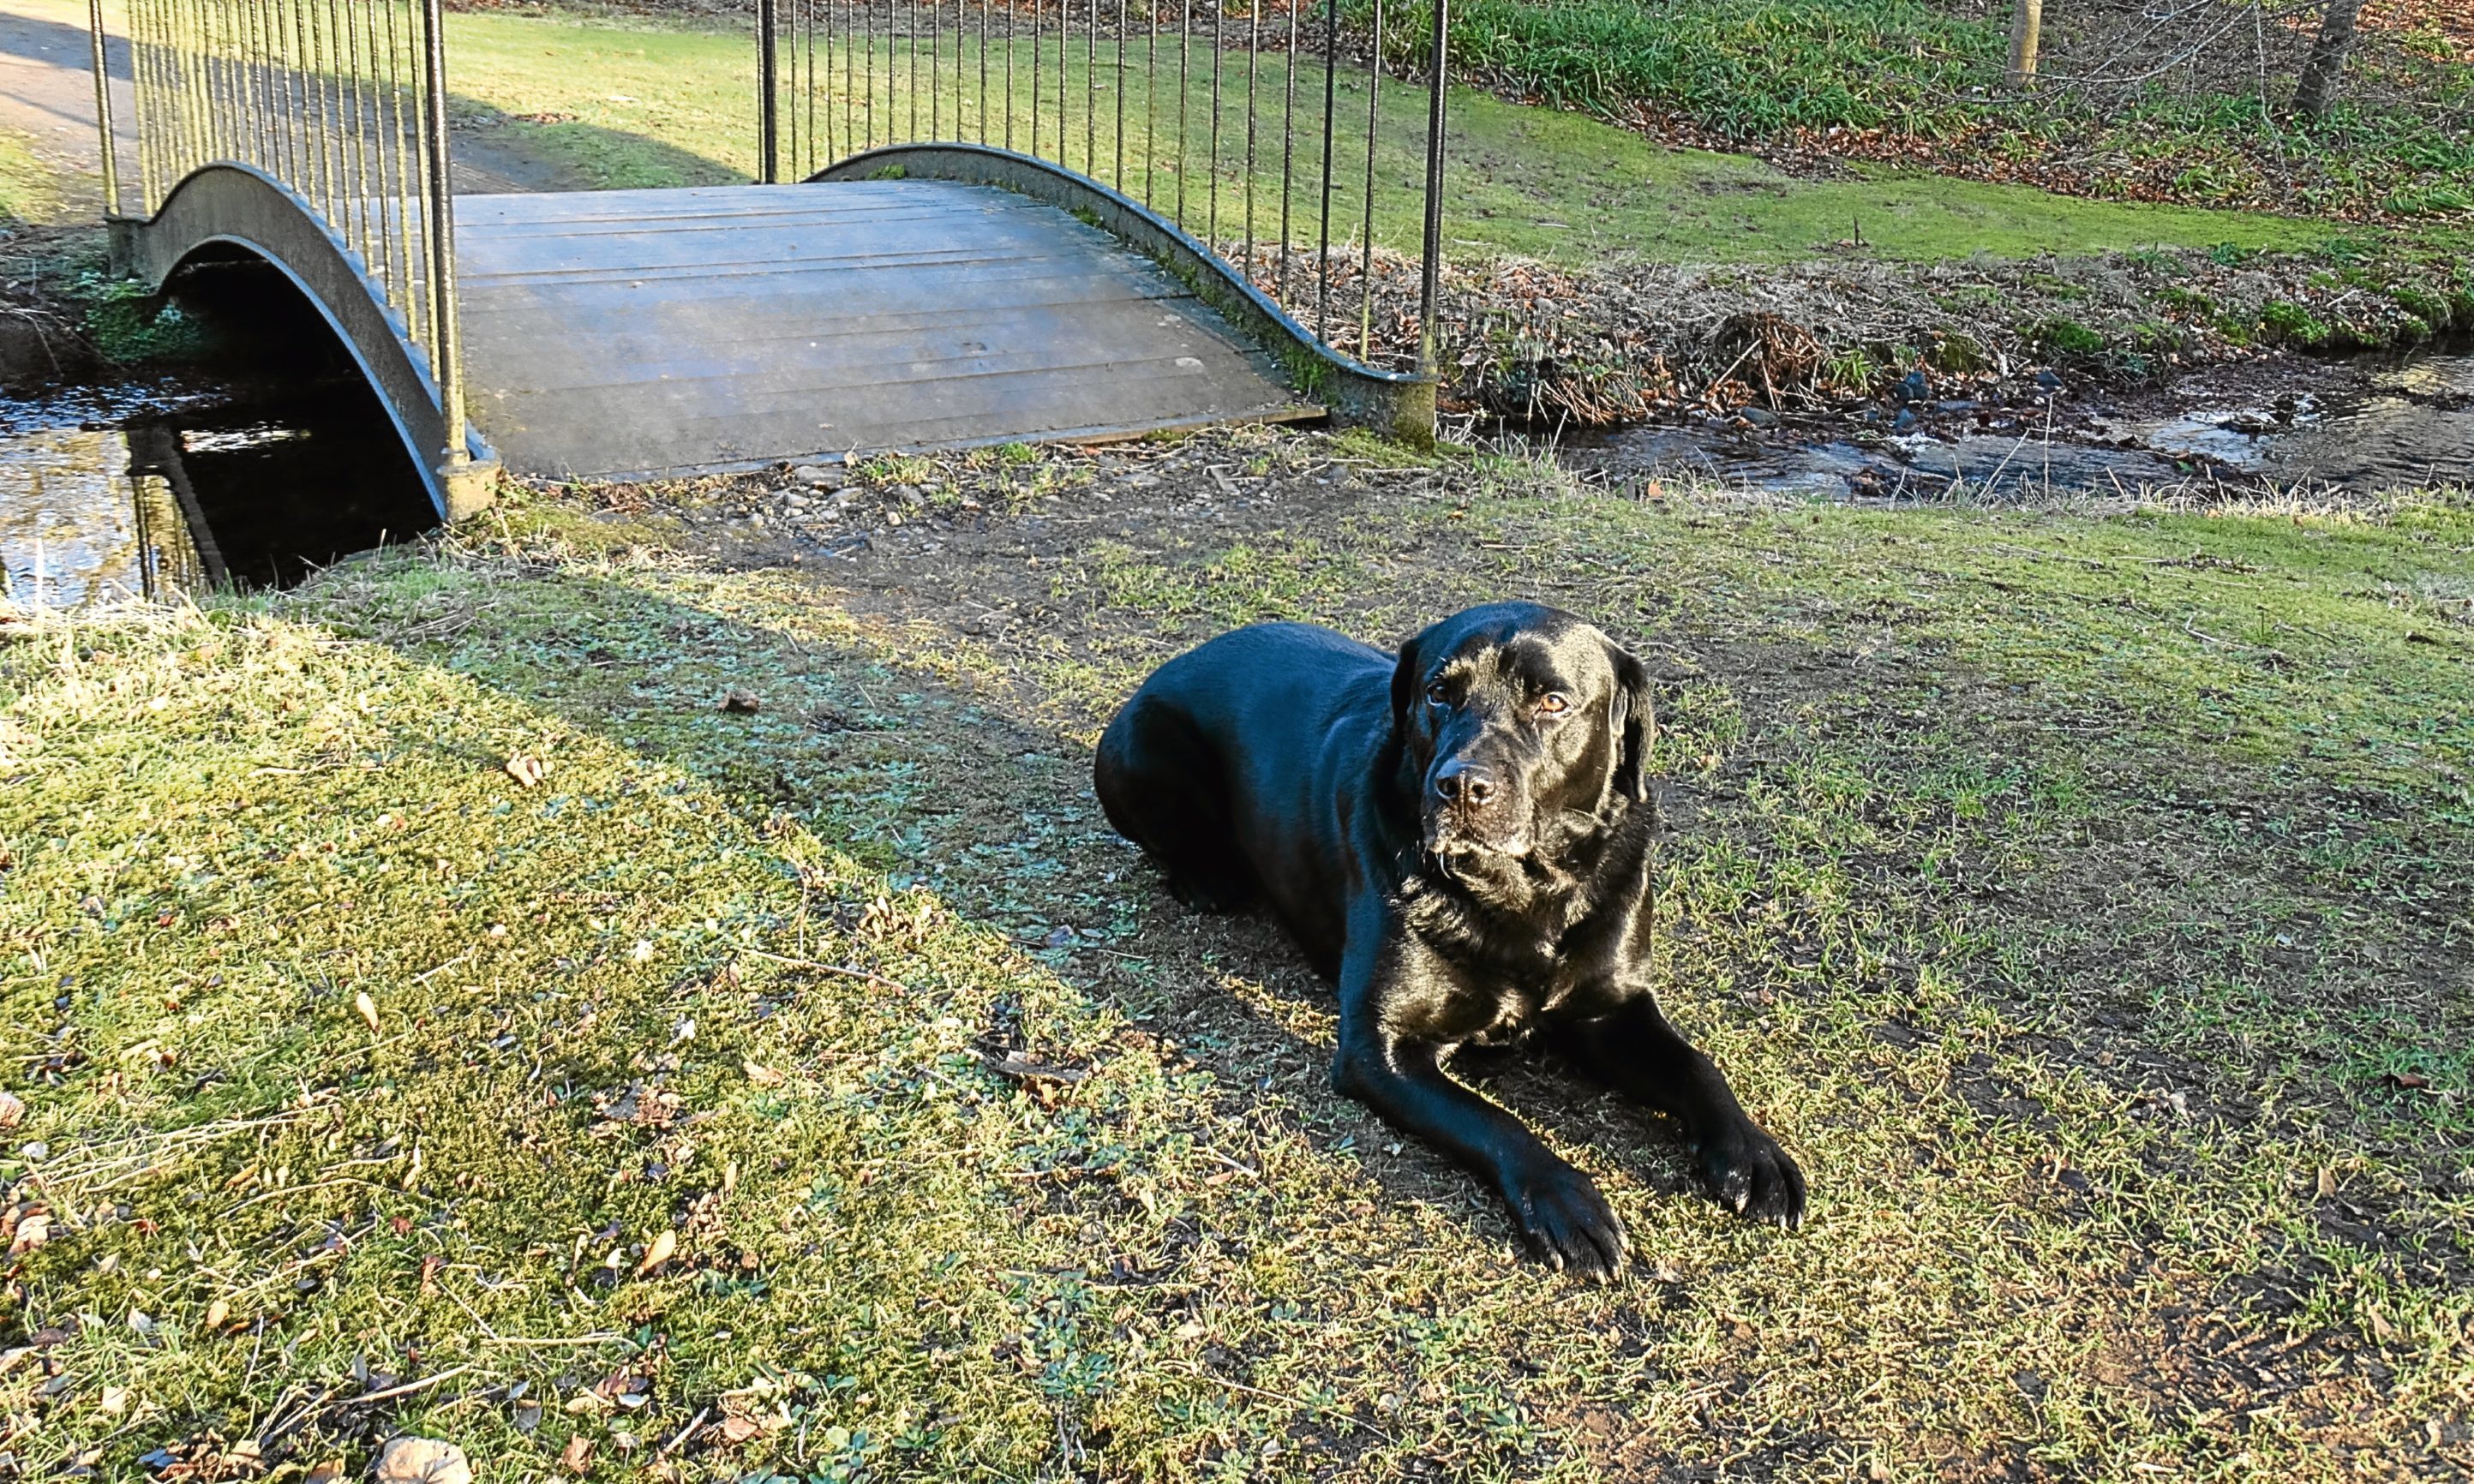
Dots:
{"x": 1633, "y": 1049}
{"x": 1556, "y": 1207}
{"x": 1160, "y": 787}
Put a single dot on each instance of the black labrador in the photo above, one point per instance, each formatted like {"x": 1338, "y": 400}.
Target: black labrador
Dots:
{"x": 1460, "y": 836}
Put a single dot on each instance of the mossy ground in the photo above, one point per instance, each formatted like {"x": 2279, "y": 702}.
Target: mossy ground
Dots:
{"x": 2082, "y": 899}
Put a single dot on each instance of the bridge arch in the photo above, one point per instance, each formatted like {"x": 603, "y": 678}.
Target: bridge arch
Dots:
{"x": 1399, "y": 404}
{"x": 227, "y": 206}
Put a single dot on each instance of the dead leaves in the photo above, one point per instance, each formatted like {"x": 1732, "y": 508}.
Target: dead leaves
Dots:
{"x": 32, "y": 1231}
{"x": 576, "y": 1457}
{"x": 369, "y": 1009}
{"x": 527, "y": 769}
{"x": 422, "y": 1461}
{"x": 664, "y": 1247}
{"x": 12, "y": 1110}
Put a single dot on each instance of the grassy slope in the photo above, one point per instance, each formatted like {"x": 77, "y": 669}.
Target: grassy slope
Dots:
{"x": 1916, "y": 69}
{"x": 29, "y": 190}
{"x": 654, "y": 105}
{"x": 2058, "y": 888}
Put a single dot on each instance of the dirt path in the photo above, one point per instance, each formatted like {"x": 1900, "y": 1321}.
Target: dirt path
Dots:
{"x": 47, "y": 93}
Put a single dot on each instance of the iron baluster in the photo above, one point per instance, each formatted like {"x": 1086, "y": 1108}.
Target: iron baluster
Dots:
{"x": 1322, "y": 253}
{"x": 769, "y": 89}
{"x": 446, "y": 355}
{"x": 1366, "y": 227}
{"x": 1184, "y": 94}
{"x": 1288, "y": 147}
{"x": 1431, "y": 247}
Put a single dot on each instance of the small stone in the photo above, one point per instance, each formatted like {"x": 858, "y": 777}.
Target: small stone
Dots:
{"x": 1761, "y": 417}
{"x": 740, "y": 703}
{"x": 37, "y": 1150}
{"x": 422, "y": 1461}
{"x": 817, "y": 476}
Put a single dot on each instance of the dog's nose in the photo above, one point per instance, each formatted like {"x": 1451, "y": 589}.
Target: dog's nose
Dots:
{"x": 1469, "y": 785}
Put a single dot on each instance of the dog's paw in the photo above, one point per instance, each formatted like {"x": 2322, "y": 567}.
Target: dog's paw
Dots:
{"x": 1563, "y": 1216}
{"x": 1754, "y": 1178}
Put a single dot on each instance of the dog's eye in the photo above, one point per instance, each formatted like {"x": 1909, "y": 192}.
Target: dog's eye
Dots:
{"x": 1554, "y": 703}
{"x": 1437, "y": 695}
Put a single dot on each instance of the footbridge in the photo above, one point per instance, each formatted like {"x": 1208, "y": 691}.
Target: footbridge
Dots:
{"x": 976, "y": 221}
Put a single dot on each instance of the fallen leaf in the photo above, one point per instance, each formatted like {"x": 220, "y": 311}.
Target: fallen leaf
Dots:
{"x": 739, "y": 1429}
{"x": 369, "y": 1009}
{"x": 216, "y": 1313}
{"x": 527, "y": 769}
{"x": 761, "y": 1075}
{"x": 2327, "y": 1181}
{"x": 740, "y": 703}
{"x": 422, "y": 1461}
{"x": 2381, "y": 1329}
{"x": 2406, "y": 1082}
{"x": 665, "y": 1243}
{"x": 115, "y": 1399}
{"x": 12, "y": 1110}
{"x": 577, "y": 1456}
{"x": 326, "y": 1472}
{"x": 33, "y": 1232}
{"x": 430, "y": 1266}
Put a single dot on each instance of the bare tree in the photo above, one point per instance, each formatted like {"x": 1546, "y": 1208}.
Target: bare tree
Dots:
{"x": 2026, "y": 26}
{"x": 2315, "y": 89}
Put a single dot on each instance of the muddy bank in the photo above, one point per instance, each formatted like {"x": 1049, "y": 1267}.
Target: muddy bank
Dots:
{"x": 1544, "y": 348}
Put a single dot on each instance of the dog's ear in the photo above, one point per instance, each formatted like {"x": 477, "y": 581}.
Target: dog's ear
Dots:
{"x": 1408, "y": 676}
{"x": 1633, "y": 719}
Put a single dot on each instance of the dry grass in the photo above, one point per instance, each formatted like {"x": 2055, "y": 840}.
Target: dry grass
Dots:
{"x": 2082, "y": 898}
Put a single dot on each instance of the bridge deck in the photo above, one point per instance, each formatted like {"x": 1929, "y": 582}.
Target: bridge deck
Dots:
{"x": 660, "y": 332}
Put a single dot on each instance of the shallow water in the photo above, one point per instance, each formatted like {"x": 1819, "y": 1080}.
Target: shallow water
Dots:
{"x": 140, "y": 491}
{"x": 2357, "y": 426}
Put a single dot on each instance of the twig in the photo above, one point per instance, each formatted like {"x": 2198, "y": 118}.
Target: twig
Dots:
{"x": 845, "y": 971}
{"x": 406, "y": 1389}
{"x": 686, "y": 1432}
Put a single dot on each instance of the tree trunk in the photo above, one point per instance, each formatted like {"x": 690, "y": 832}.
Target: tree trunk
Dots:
{"x": 2313, "y": 90}
{"x": 2026, "y": 27}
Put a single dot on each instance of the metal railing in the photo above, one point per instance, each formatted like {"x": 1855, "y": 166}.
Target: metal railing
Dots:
{"x": 343, "y": 102}
{"x": 1302, "y": 142}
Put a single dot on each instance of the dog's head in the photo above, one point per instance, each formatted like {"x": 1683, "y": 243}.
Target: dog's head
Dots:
{"x": 1510, "y": 716}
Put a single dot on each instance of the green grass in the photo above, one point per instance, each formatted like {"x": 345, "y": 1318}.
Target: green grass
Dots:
{"x": 29, "y": 190}
{"x": 2059, "y": 888}
{"x": 642, "y": 105}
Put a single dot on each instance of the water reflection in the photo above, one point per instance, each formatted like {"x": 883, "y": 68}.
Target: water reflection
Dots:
{"x": 141, "y": 493}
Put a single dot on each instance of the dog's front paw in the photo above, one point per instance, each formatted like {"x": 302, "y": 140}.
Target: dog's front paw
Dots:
{"x": 1754, "y": 1178}
{"x": 1563, "y": 1216}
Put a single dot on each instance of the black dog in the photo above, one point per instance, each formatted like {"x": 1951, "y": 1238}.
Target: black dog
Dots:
{"x": 1460, "y": 836}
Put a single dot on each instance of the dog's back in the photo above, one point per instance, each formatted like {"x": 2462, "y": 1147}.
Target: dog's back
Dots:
{"x": 1224, "y": 768}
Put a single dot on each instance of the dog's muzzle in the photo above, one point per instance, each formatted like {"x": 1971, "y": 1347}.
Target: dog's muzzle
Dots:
{"x": 1470, "y": 809}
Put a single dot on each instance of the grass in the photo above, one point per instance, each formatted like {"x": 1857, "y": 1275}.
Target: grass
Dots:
{"x": 1916, "y": 70}
{"x": 2067, "y": 892}
{"x": 29, "y": 189}
{"x": 641, "y": 103}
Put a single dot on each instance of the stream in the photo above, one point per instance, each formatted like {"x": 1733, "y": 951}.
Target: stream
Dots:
{"x": 251, "y": 471}
{"x": 2359, "y": 426}
{"x": 275, "y": 460}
